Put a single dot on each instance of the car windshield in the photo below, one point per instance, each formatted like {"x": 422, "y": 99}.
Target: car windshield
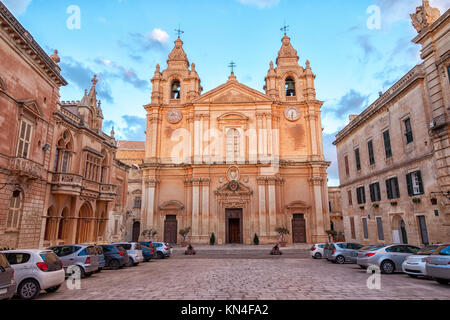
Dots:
{"x": 52, "y": 260}
{"x": 427, "y": 250}
{"x": 126, "y": 246}
{"x": 18, "y": 258}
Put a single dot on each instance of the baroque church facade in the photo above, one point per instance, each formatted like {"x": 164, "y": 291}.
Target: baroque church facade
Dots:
{"x": 235, "y": 161}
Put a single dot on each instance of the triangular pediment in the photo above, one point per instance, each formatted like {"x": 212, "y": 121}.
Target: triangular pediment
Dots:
{"x": 32, "y": 106}
{"x": 233, "y": 92}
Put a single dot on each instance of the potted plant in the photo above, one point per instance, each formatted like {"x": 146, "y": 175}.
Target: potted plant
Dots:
{"x": 149, "y": 234}
{"x": 190, "y": 251}
{"x": 212, "y": 239}
{"x": 416, "y": 200}
{"x": 256, "y": 240}
{"x": 282, "y": 232}
{"x": 276, "y": 251}
{"x": 184, "y": 233}
{"x": 376, "y": 205}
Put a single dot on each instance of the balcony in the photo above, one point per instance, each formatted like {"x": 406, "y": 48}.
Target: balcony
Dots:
{"x": 25, "y": 168}
{"x": 66, "y": 183}
{"x": 108, "y": 192}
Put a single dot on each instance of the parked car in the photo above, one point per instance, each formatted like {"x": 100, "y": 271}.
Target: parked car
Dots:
{"x": 35, "y": 270}
{"x": 366, "y": 248}
{"x": 115, "y": 256}
{"x": 341, "y": 252}
{"x": 8, "y": 285}
{"x": 438, "y": 264}
{"x": 162, "y": 250}
{"x": 388, "y": 258}
{"x": 147, "y": 252}
{"x": 82, "y": 259}
{"x": 415, "y": 265}
{"x": 134, "y": 251}
{"x": 317, "y": 251}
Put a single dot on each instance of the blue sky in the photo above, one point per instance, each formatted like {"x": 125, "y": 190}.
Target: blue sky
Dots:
{"x": 123, "y": 40}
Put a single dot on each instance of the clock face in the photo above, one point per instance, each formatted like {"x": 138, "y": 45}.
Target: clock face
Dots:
{"x": 292, "y": 113}
{"x": 174, "y": 116}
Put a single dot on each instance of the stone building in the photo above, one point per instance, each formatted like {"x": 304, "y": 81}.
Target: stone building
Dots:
{"x": 235, "y": 161}
{"x": 58, "y": 174}
{"x": 133, "y": 153}
{"x": 335, "y": 206}
{"x": 394, "y": 157}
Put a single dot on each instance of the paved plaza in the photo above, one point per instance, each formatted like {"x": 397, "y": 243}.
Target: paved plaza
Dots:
{"x": 227, "y": 273}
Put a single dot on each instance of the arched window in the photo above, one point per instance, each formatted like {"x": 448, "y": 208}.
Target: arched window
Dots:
{"x": 290, "y": 87}
{"x": 233, "y": 145}
{"x": 15, "y": 209}
{"x": 63, "y": 153}
{"x": 176, "y": 90}
{"x": 137, "y": 202}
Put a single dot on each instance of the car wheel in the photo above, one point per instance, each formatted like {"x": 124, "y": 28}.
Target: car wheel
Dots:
{"x": 114, "y": 264}
{"x": 130, "y": 262}
{"x": 87, "y": 275}
{"x": 29, "y": 289}
{"x": 160, "y": 255}
{"x": 387, "y": 267}
{"x": 340, "y": 260}
{"x": 363, "y": 267}
{"x": 77, "y": 271}
{"x": 53, "y": 289}
{"x": 318, "y": 256}
{"x": 443, "y": 281}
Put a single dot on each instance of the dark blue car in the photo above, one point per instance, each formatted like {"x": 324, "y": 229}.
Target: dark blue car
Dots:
{"x": 115, "y": 256}
{"x": 147, "y": 252}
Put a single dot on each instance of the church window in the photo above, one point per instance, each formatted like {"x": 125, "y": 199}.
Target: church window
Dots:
{"x": 176, "y": 90}
{"x": 233, "y": 145}
{"x": 290, "y": 87}
{"x": 63, "y": 153}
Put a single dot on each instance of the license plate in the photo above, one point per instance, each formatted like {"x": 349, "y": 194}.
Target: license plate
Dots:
{"x": 3, "y": 291}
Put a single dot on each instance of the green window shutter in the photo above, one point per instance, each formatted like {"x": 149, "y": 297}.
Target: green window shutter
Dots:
{"x": 397, "y": 190}
{"x": 389, "y": 189}
{"x": 419, "y": 177}
{"x": 410, "y": 185}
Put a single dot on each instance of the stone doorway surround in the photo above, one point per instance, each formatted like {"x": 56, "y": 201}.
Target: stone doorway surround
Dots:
{"x": 234, "y": 220}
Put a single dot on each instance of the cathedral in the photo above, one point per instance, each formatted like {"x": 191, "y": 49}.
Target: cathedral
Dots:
{"x": 235, "y": 161}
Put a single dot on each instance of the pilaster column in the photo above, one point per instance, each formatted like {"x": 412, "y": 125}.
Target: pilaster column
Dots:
{"x": 205, "y": 206}
{"x": 154, "y": 120}
{"x": 259, "y": 119}
{"x": 262, "y": 206}
{"x": 195, "y": 206}
{"x": 150, "y": 184}
{"x": 312, "y": 123}
{"x": 270, "y": 135}
{"x": 319, "y": 229}
{"x": 272, "y": 206}
{"x": 197, "y": 139}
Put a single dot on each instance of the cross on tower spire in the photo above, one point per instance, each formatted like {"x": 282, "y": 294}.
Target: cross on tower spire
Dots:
{"x": 285, "y": 28}
{"x": 179, "y": 32}
{"x": 232, "y": 65}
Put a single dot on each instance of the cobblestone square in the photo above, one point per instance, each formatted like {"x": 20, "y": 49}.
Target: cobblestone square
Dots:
{"x": 217, "y": 274}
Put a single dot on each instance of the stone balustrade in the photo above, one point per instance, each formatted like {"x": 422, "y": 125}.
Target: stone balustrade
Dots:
{"x": 26, "y": 168}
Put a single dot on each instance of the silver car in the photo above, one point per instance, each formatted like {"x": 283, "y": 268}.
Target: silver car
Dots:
{"x": 341, "y": 252}
{"x": 388, "y": 258}
{"x": 134, "y": 251}
{"x": 438, "y": 264}
{"x": 7, "y": 283}
{"x": 35, "y": 270}
{"x": 415, "y": 265}
{"x": 79, "y": 259}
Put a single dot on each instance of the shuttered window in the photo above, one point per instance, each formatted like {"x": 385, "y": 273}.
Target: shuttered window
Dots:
{"x": 23, "y": 146}
{"x": 423, "y": 230}
{"x": 408, "y": 131}
{"x": 352, "y": 227}
{"x": 350, "y": 200}
{"x": 15, "y": 207}
{"x": 347, "y": 167}
{"x": 361, "y": 195}
{"x": 371, "y": 154}
{"x": 375, "y": 193}
{"x": 387, "y": 144}
{"x": 358, "y": 160}
{"x": 392, "y": 188}
{"x": 415, "y": 184}
{"x": 380, "y": 229}
{"x": 365, "y": 228}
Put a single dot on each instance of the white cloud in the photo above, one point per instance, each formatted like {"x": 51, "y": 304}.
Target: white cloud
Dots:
{"x": 17, "y": 7}
{"x": 260, "y": 3}
{"x": 159, "y": 35}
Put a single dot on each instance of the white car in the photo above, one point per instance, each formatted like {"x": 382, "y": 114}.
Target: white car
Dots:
{"x": 35, "y": 270}
{"x": 134, "y": 251}
{"x": 317, "y": 251}
{"x": 415, "y": 265}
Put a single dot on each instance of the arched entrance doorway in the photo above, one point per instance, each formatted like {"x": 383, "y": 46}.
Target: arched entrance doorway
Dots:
{"x": 399, "y": 233}
{"x": 64, "y": 226}
{"x": 85, "y": 219}
{"x": 136, "y": 231}
{"x": 51, "y": 225}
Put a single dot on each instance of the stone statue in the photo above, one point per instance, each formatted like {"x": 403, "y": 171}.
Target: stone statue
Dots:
{"x": 425, "y": 16}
